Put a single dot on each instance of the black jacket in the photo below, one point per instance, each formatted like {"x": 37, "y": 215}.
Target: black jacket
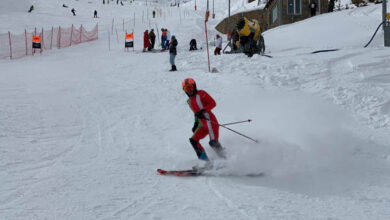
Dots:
{"x": 172, "y": 46}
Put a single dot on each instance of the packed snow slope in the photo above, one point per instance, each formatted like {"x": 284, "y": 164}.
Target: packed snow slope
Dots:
{"x": 83, "y": 129}
{"x": 11, "y": 6}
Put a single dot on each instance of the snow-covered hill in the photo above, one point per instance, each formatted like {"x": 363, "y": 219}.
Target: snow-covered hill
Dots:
{"x": 11, "y": 6}
{"x": 83, "y": 129}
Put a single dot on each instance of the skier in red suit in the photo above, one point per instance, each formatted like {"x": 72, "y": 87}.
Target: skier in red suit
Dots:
{"x": 201, "y": 103}
{"x": 146, "y": 41}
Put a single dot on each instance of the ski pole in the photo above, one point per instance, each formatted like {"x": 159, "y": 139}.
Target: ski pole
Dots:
{"x": 233, "y": 131}
{"x": 237, "y": 122}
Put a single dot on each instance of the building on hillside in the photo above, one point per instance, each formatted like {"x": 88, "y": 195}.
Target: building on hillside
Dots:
{"x": 276, "y": 13}
{"x": 281, "y": 12}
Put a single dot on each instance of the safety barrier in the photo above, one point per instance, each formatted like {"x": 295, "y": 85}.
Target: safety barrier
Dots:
{"x": 17, "y": 46}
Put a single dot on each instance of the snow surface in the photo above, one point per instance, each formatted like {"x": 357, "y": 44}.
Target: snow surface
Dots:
{"x": 83, "y": 129}
{"x": 10, "y": 6}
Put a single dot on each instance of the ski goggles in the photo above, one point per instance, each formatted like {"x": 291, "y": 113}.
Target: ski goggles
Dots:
{"x": 188, "y": 88}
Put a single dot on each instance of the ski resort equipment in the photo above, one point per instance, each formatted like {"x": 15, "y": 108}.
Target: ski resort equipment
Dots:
{"x": 183, "y": 173}
{"x": 36, "y": 42}
{"x": 205, "y": 29}
{"x": 372, "y": 38}
{"x": 21, "y": 45}
{"x": 386, "y": 24}
{"x": 195, "y": 171}
{"x": 246, "y": 38}
{"x": 129, "y": 40}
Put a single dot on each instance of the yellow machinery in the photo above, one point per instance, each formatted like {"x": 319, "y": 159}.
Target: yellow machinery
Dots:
{"x": 248, "y": 28}
{"x": 247, "y": 38}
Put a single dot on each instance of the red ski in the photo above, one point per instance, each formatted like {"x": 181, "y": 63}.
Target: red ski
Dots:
{"x": 179, "y": 172}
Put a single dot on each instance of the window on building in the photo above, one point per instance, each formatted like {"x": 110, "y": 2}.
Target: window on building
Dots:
{"x": 294, "y": 7}
{"x": 274, "y": 14}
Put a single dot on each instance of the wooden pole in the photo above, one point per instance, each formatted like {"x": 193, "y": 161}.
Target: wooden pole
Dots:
{"x": 51, "y": 39}
{"x": 59, "y": 37}
{"x": 71, "y": 35}
{"x": 81, "y": 31}
{"x": 42, "y": 41}
{"x": 25, "y": 37}
{"x": 207, "y": 43}
{"x": 10, "y": 45}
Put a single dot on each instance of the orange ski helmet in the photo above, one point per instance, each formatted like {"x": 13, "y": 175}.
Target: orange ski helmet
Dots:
{"x": 189, "y": 85}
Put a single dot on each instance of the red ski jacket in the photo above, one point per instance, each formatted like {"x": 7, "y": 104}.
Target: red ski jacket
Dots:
{"x": 146, "y": 40}
{"x": 202, "y": 100}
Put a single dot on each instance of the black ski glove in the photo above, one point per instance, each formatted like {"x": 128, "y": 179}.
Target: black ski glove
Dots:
{"x": 200, "y": 114}
{"x": 196, "y": 124}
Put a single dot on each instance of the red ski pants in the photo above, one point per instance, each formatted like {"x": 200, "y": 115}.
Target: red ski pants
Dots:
{"x": 210, "y": 128}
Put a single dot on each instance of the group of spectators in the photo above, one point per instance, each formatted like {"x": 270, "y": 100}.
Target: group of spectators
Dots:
{"x": 165, "y": 38}
{"x": 168, "y": 42}
{"x": 149, "y": 40}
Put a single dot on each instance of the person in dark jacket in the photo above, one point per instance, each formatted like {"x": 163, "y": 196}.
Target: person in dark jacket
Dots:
{"x": 313, "y": 8}
{"x": 173, "y": 52}
{"x": 95, "y": 14}
{"x": 152, "y": 38}
{"x": 73, "y": 11}
{"x": 331, "y": 6}
{"x": 193, "y": 45}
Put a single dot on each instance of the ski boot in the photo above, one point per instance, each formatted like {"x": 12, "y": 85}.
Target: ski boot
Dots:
{"x": 199, "y": 150}
{"x": 201, "y": 153}
{"x": 217, "y": 147}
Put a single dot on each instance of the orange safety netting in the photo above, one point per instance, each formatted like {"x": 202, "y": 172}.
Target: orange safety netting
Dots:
{"x": 16, "y": 46}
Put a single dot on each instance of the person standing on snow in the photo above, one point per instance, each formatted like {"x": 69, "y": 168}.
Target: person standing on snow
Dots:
{"x": 218, "y": 45}
{"x": 163, "y": 38}
{"x": 201, "y": 103}
{"x": 173, "y": 52}
{"x": 313, "y": 8}
{"x": 168, "y": 38}
{"x": 152, "y": 38}
{"x": 331, "y": 6}
{"x": 95, "y": 14}
{"x": 146, "y": 41}
{"x": 193, "y": 45}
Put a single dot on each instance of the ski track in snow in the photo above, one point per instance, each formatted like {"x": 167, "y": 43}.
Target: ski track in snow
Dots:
{"x": 83, "y": 130}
